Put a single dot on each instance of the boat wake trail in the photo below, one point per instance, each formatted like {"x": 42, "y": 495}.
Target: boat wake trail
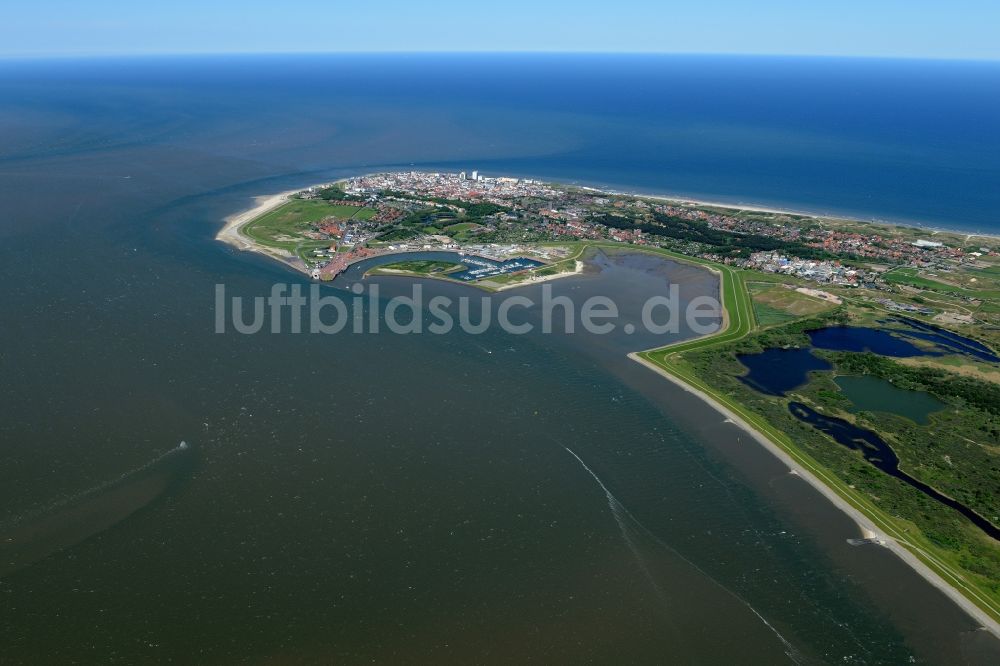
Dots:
{"x": 65, "y": 522}
{"x": 625, "y": 521}
{"x": 631, "y": 528}
{"x": 84, "y": 494}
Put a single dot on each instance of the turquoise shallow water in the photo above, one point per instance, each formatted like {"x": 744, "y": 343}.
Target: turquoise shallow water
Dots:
{"x": 392, "y": 498}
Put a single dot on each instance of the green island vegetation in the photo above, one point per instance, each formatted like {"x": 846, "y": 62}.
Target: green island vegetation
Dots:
{"x": 956, "y": 451}
{"x": 283, "y": 226}
{"x": 696, "y": 231}
{"x": 423, "y": 267}
{"x": 335, "y": 192}
{"x": 980, "y": 284}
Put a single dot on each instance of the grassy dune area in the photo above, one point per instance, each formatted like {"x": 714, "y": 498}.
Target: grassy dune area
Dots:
{"x": 983, "y": 284}
{"x": 285, "y": 226}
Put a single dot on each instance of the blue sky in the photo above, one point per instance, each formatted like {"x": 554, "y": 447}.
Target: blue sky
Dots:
{"x": 893, "y": 28}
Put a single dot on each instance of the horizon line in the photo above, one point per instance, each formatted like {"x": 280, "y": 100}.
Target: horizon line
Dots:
{"x": 724, "y": 54}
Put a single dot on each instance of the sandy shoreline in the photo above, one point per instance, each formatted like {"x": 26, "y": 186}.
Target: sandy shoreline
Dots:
{"x": 762, "y": 208}
{"x": 577, "y": 269}
{"x": 865, "y": 525}
{"x": 230, "y": 233}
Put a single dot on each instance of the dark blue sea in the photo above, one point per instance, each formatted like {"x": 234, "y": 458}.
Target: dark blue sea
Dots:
{"x": 901, "y": 140}
{"x": 438, "y": 499}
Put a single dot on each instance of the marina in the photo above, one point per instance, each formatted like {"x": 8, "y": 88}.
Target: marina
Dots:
{"x": 481, "y": 267}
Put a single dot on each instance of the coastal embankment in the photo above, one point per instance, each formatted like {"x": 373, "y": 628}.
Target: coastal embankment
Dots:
{"x": 867, "y": 527}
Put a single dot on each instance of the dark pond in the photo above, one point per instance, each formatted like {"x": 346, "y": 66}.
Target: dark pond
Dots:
{"x": 777, "y": 371}
{"x": 881, "y": 455}
{"x": 860, "y": 339}
{"x": 900, "y": 342}
{"x": 952, "y": 342}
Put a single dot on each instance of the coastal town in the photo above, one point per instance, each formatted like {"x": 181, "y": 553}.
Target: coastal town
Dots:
{"x": 324, "y": 229}
{"x": 552, "y": 213}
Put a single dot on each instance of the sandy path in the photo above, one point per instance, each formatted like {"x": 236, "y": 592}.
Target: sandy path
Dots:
{"x": 577, "y": 269}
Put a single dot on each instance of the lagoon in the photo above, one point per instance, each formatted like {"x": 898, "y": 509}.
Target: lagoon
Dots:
{"x": 862, "y": 339}
{"x": 872, "y": 394}
{"x": 878, "y": 453}
{"x": 778, "y": 371}
{"x": 900, "y": 342}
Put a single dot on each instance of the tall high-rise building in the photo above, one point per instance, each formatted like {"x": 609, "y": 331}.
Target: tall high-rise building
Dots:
{"x": 475, "y": 175}
{"x": 461, "y": 176}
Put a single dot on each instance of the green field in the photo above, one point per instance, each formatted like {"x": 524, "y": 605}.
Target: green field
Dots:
{"x": 421, "y": 267}
{"x": 462, "y": 226}
{"x": 770, "y": 316}
{"x": 284, "y": 226}
{"x": 774, "y": 304}
{"x": 910, "y": 276}
{"x": 349, "y": 212}
{"x": 982, "y": 284}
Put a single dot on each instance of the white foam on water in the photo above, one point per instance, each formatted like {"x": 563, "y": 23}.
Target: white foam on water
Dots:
{"x": 84, "y": 494}
{"x": 624, "y": 518}
{"x": 621, "y": 516}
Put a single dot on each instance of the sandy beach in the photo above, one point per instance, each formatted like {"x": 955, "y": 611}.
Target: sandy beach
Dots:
{"x": 865, "y": 526}
{"x": 230, "y": 233}
{"x": 775, "y": 210}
